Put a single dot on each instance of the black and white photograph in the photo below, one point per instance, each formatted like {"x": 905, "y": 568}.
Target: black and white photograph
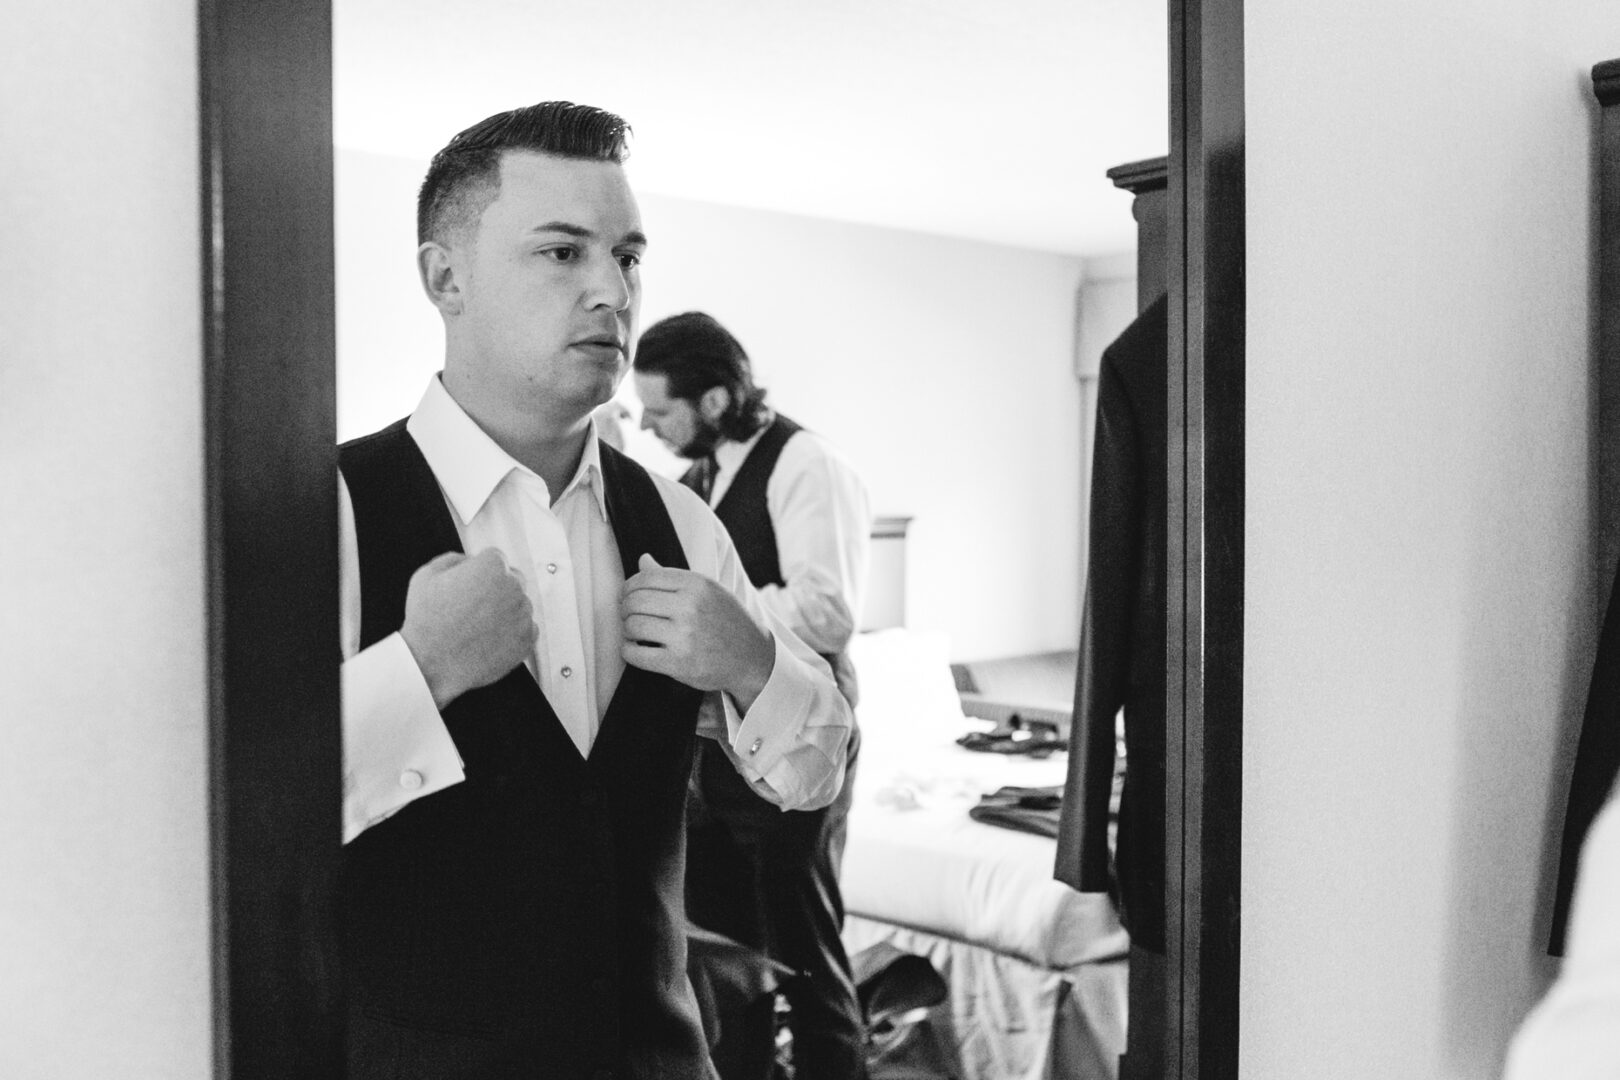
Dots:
{"x": 786, "y": 540}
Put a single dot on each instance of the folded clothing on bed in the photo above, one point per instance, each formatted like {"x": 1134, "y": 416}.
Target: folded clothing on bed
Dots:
{"x": 1027, "y": 809}
{"x": 1015, "y": 736}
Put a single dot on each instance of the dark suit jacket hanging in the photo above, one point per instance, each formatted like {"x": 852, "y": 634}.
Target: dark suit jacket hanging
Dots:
{"x": 1122, "y": 638}
{"x": 1597, "y": 759}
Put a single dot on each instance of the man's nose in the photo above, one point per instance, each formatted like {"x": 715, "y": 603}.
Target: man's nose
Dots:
{"x": 610, "y": 286}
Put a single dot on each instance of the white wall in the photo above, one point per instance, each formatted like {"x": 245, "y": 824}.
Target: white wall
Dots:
{"x": 104, "y": 917}
{"x": 943, "y": 369}
{"x": 1420, "y": 607}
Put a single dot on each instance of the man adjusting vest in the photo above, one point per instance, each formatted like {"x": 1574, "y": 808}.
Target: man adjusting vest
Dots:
{"x": 534, "y": 630}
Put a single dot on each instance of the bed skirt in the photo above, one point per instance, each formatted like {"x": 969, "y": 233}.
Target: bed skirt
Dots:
{"x": 1008, "y": 1019}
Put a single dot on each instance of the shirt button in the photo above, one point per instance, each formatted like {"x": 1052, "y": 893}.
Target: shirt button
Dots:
{"x": 410, "y": 780}
{"x": 551, "y": 568}
{"x": 754, "y": 749}
{"x": 567, "y": 671}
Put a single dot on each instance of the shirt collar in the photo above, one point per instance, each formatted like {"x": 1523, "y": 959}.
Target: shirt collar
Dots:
{"x": 470, "y": 466}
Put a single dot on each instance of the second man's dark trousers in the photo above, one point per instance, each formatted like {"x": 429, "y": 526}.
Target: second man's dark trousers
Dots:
{"x": 769, "y": 879}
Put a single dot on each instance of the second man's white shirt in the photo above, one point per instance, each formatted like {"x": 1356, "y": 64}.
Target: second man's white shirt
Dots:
{"x": 822, "y": 516}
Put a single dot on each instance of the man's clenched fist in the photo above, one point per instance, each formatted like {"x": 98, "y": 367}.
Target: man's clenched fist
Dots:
{"x": 467, "y": 622}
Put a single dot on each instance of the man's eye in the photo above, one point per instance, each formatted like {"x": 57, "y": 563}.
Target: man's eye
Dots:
{"x": 561, "y": 254}
{"x": 629, "y": 260}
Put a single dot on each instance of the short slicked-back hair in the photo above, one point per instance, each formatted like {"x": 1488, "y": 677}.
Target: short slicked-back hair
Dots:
{"x": 694, "y": 353}
{"x": 465, "y": 176}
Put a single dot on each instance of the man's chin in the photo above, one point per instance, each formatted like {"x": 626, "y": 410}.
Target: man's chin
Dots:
{"x": 601, "y": 390}
{"x": 700, "y": 446}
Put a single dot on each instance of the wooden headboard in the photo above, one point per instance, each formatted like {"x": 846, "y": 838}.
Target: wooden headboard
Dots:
{"x": 885, "y": 603}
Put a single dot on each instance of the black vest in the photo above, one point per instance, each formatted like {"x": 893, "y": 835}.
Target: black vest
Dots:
{"x": 537, "y": 905}
{"x": 742, "y": 509}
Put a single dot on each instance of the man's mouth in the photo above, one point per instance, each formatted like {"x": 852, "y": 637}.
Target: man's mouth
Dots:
{"x": 601, "y": 343}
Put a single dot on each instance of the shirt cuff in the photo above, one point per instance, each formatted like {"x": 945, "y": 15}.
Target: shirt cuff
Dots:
{"x": 773, "y": 721}
{"x": 396, "y": 748}
{"x": 774, "y": 745}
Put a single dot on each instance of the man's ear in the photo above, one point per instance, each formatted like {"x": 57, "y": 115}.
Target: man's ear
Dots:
{"x": 438, "y": 273}
{"x": 714, "y": 403}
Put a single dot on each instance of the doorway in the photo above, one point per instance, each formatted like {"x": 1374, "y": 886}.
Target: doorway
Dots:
{"x": 270, "y": 420}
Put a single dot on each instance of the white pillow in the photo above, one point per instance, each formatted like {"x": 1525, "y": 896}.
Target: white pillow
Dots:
{"x": 905, "y": 678}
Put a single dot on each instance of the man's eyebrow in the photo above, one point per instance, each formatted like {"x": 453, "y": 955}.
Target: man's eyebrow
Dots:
{"x": 568, "y": 228}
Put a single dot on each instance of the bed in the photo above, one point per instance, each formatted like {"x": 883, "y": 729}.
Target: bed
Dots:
{"x": 1036, "y": 972}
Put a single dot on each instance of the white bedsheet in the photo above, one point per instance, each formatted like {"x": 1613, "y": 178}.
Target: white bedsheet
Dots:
{"x": 915, "y": 859}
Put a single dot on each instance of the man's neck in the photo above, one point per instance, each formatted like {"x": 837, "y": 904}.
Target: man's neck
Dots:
{"x": 551, "y": 446}
{"x": 753, "y": 436}
{"x": 722, "y": 441}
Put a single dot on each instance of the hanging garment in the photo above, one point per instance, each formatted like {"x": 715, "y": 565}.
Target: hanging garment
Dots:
{"x": 1122, "y": 638}
{"x": 1597, "y": 760}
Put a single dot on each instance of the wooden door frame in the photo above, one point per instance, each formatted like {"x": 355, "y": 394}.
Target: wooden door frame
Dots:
{"x": 265, "y": 92}
{"x": 1204, "y": 780}
{"x": 265, "y": 96}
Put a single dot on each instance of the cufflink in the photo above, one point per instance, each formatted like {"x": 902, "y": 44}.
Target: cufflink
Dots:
{"x": 410, "y": 780}
{"x": 754, "y": 749}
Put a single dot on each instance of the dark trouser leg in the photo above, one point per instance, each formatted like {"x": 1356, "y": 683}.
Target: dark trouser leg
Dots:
{"x": 769, "y": 879}
{"x": 805, "y": 909}
{"x": 747, "y": 1046}
{"x": 722, "y": 895}
{"x": 723, "y": 835}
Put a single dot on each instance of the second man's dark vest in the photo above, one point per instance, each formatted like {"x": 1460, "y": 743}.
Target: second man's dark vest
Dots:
{"x": 536, "y": 906}
{"x": 742, "y": 508}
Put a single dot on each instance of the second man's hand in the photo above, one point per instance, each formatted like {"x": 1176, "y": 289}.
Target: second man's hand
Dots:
{"x": 684, "y": 625}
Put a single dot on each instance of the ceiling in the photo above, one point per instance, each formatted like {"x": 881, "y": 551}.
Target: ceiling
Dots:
{"x": 980, "y": 119}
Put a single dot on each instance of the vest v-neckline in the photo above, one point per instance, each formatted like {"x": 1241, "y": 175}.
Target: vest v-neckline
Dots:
{"x": 639, "y": 521}
{"x": 637, "y": 528}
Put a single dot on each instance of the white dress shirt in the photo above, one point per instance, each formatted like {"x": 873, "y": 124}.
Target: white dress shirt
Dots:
{"x": 822, "y": 516}
{"x": 1574, "y": 1033}
{"x": 396, "y": 747}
